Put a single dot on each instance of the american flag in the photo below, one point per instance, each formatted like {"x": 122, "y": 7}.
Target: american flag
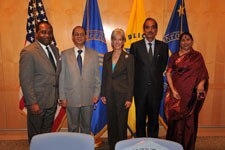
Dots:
{"x": 36, "y": 13}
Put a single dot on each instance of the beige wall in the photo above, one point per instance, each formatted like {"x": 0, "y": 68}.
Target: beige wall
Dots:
{"x": 206, "y": 22}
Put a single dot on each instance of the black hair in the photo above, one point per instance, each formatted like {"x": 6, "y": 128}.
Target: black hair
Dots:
{"x": 186, "y": 33}
{"x": 42, "y": 22}
{"x": 152, "y": 19}
{"x": 78, "y": 27}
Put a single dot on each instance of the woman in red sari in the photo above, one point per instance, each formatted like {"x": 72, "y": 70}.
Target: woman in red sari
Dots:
{"x": 187, "y": 77}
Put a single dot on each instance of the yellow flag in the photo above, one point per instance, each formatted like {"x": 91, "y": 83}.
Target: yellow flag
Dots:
{"x": 134, "y": 33}
{"x": 134, "y": 30}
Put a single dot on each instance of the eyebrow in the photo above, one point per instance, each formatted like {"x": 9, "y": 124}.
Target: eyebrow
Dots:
{"x": 150, "y": 25}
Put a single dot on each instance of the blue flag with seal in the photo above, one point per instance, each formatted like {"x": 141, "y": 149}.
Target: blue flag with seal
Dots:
{"x": 177, "y": 25}
{"x": 92, "y": 23}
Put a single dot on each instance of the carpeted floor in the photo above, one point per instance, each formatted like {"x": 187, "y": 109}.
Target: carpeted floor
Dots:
{"x": 203, "y": 143}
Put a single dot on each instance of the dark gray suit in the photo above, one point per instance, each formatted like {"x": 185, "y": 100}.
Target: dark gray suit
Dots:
{"x": 79, "y": 89}
{"x": 117, "y": 87}
{"x": 39, "y": 82}
{"x": 148, "y": 85}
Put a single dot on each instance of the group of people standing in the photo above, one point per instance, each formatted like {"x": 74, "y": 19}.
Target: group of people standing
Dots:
{"x": 73, "y": 81}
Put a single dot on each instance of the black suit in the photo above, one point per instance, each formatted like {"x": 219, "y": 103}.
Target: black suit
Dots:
{"x": 117, "y": 87}
{"x": 148, "y": 85}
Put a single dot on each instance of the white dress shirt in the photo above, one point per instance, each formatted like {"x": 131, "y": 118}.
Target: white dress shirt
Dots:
{"x": 148, "y": 46}
{"x": 46, "y": 52}
{"x": 82, "y": 54}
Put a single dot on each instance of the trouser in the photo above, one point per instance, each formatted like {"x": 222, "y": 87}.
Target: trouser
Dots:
{"x": 117, "y": 116}
{"x": 40, "y": 123}
{"x": 79, "y": 119}
{"x": 147, "y": 106}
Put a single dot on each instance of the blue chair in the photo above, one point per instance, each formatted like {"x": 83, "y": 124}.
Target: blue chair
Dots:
{"x": 62, "y": 141}
{"x": 170, "y": 145}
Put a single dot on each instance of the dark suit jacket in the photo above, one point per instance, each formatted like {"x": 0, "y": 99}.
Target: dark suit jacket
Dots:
{"x": 146, "y": 72}
{"x": 121, "y": 80}
{"x": 38, "y": 78}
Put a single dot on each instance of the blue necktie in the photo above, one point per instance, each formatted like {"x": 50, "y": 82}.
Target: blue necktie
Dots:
{"x": 79, "y": 60}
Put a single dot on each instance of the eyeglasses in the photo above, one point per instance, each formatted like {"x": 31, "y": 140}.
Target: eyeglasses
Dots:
{"x": 78, "y": 34}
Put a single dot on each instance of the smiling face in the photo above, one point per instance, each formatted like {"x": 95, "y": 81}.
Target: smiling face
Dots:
{"x": 150, "y": 29}
{"x": 117, "y": 42}
{"x": 117, "y": 39}
{"x": 186, "y": 42}
{"x": 78, "y": 36}
{"x": 44, "y": 34}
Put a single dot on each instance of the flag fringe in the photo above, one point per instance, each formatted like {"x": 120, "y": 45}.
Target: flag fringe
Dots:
{"x": 100, "y": 133}
{"x": 161, "y": 121}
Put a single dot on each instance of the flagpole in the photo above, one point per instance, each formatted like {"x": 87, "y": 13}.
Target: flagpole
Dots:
{"x": 95, "y": 40}
{"x": 88, "y": 28}
{"x": 34, "y": 12}
{"x": 181, "y": 23}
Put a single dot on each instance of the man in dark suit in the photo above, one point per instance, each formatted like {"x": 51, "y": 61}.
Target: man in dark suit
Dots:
{"x": 79, "y": 82}
{"x": 150, "y": 57}
{"x": 39, "y": 69}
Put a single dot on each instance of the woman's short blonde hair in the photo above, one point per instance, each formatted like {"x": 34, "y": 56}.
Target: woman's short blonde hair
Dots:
{"x": 116, "y": 32}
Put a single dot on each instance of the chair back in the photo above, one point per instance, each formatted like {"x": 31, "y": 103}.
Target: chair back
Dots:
{"x": 62, "y": 141}
{"x": 146, "y": 142}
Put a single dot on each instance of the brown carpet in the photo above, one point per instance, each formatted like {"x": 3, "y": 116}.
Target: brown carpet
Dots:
{"x": 203, "y": 143}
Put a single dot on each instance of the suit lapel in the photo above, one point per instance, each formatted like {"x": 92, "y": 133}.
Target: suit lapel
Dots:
{"x": 143, "y": 51}
{"x": 109, "y": 63}
{"x": 55, "y": 53}
{"x": 41, "y": 51}
{"x": 143, "y": 46}
{"x": 72, "y": 59}
{"x": 43, "y": 55}
{"x": 57, "y": 57}
{"x": 119, "y": 63}
{"x": 87, "y": 57}
{"x": 157, "y": 48}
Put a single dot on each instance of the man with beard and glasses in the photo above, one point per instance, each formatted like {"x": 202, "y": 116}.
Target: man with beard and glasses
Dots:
{"x": 150, "y": 59}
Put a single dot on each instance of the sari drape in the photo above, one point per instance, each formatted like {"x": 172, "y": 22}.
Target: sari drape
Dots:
{"x": 187, "y": 71}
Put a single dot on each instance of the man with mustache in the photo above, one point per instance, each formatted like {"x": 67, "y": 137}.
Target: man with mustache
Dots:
{"x": 79, "y": 82}
{"x": 150, "y": 57}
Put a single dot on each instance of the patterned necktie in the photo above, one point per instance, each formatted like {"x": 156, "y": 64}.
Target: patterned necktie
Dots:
{"x": 150, "y": 52}
{"x": 79, "y": 60}
{"x": 51, "y": 57}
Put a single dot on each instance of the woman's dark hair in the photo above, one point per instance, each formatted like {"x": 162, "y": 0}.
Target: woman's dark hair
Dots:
{"x": 186, "y": 33}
